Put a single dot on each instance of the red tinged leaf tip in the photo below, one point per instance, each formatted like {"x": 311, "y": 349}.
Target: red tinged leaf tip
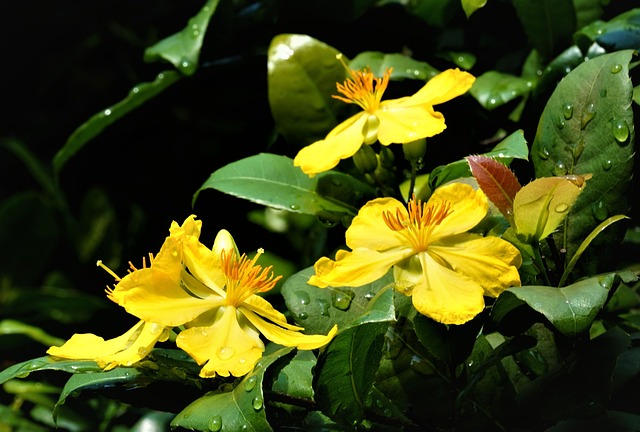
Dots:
{"x": 497, "y": 181}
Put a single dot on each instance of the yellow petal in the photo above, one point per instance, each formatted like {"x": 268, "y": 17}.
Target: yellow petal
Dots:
{"x": 263, "y": 308}
{"x": 400, "y": 123}
{"x": 368, "y": 229}
{"x": 442, "y": 88}
{"x": 189, "y": 228}
{"x": 444, "y": 295}
{"x": 356, "y": 268}
{"x": 490, "y": 261}
{"x": 468, "y": 208}
{"x": 341, "y": 143}
{"x": 125, "y": 350}
{"x": 288, "y": 337}
{"x": 224, "y": 347}
{"x": 205, "y": 263}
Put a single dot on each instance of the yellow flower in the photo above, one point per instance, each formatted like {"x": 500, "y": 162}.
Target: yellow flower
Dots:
{"x": 446, "y": 270}
{"x": 124, "y": 350}
{"x": 214, "y": 294}
{"x": 391, "y": 121}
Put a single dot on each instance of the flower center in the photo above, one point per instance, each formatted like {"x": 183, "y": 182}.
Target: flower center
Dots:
{"x": 363, "y": 89}
{"x": 417, "y": 227}
{"x": 244, "y": 277}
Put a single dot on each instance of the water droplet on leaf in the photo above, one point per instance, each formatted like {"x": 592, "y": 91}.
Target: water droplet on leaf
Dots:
{"x": 342, "y": 299}
{"x": 620, "y": 131}
{"x": 250, "y": 384}
{"x": 588, "y": 115}
{"x": 559, "y": 169}
{"x": 544, "y": 154}
{"x": 567, "y": 111}
{"x": 324, "y": 307}
{"x": 303, "y": 297}
{"x": 215, "y": 424}
{"x": 606, "y": 164}
{"x": 616, "y": 68}
{"x": 257, "y": 403}
{"x": 600, "y": 212}
{"x": 561, "y": 208}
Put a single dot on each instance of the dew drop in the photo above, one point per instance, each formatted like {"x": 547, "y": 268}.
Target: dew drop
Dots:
{"x": 143, "y": 351}
{"x": 588, "y": 115}
{"x": 561, "y": 208}
{"x": 155, "y": 328}
{"x": 215, "y": 424}
{"x": 204, "y": 333}
{"x": 544, "y": 154}
{"x": 606, "y": 164}
{"x": 492, "y": 101}
{"x": 324, "y": 307}
{"x": 559, "y": 169}
{"x": 341, "y": 299}
{"x": 107, "y": 112}
{"x": 160, "y": 76}
{"x": 294, "y": 207}
{"x": 257, "y": 403}
{"x": 600, "y": 212}
{"x": 251, "y": 382}
{"x": 242, "y": 360}
{"x": 567, "y": 111}
{"x": 303, "y": 297}
{"x": 561, "y": 122}
{"x": 185, "y": 64}
{"x": 225, "y": 353}
{"x": 616, "y": 68}
{"x": 606, "y": 282}
{"x": 603, "y": 92}
{"x": 303, "y": 315}
{"x": 368, "y": 296}
{"x": 620, "y": 131}
{"x": 135, "y": 90}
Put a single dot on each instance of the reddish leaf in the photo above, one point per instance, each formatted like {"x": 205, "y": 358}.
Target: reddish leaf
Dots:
{"x": 497, "y": 181}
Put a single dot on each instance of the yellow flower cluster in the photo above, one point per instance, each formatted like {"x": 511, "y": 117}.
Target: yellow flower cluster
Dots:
{"x": 212, "y": 295}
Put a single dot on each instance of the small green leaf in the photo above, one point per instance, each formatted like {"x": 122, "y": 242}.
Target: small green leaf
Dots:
{"x": 273, "y": 181}
{"x": 470, "y": 6}
{"x": 98, "y": 122}
{"x": 404, "y": 67}
{"x": 182, "y": 49}
{"x": 22, "y": 370}
{"x": 620, "y": 33}
{"x": 319, "y": 309}
{"x": 302, "y": 74}
{"x": 37, "y": 334}
{"x": 493, "y": 89}
{"x": 512, "y": 147}
{"x": 241, "y": 409}
{"x": 571, "y": 309}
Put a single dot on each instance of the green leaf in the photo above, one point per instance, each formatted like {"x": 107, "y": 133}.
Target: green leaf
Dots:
{"x": 98, "y": 122}
{"x": 295, "y": 378}
{"x": 273, "y": 181}
{"x": 302, "y": 76}
{"x": 493, "y": 89}
{"x": 571, "y": 309}
{"x": 182, "y": 49}
{"x": 549, "y": 24}
{"x": 8, "y": 326}
{"x": 345, "y": 371}
{"x": 470, "y": 6}
{"x": 239, "y": 409}
{"x": 319, "y": 309}
{"x": 404, "y": 67}
{"x": 587, "y": 128}
{"x": 512, "y": 147}
{"x": 22, "y": 370}
{"x": 620, "y": 33}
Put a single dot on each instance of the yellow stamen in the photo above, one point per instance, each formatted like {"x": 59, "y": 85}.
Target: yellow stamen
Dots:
{"x": 423, "y": 217}
{"x": 364, "y": 89}
{"x": 245, "y": 277}
{"x": 108, "y": 270}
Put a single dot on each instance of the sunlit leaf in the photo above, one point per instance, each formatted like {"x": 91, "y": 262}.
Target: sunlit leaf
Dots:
{"x": 497, "y": 181}
{"x": 541, "y": 206}
{"x": 296, "y": 377}
{"x": 182, "y": 49}
{"x": 302, "y": 76}
{"x": 493, "y": 89}
{"x": 242, "y": 408}
{"x": 22, "y": 370}
{"x": 273, "y": 181}
{"x": 106, "y": 117}
{"x": 587, "y": 126}
{"x": 470, "y": 6}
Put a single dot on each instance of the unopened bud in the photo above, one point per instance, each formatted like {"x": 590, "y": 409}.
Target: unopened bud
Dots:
{"x": 415, "y": 150}
{"x": 365, "y": 159}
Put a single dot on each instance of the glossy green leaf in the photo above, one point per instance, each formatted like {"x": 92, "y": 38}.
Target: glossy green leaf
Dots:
{"x": 22, "y": 370}
{"x": 587, "y": 128}
{"x": 302, "y": 76}
{"x": 241, "y": 409}
{"x": 345, "y": 371}
{"x": 493, "y": 89}
{"x": 512, "y": 147}
{"x": 404, "y": 67}
{"x": 98, "y": 122}
{"x": 570, "y": 309}
{"x": 182, "y": 49}
{"x": 273, "y": 181}
{"x": 295, "y": 378}
{"x": 318, "y": 309}
{"x": 470, "y": 6}
{"x": 549, "y": 24}
{"x": 620, "y": 33}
